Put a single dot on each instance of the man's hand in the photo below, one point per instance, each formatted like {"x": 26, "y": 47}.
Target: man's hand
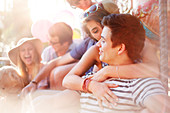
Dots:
{"x": 103, "y": 94}
{"x": 29, "y": 88}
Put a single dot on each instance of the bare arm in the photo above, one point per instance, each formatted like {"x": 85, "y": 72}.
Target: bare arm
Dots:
{"x": 131, "y": 71}
{"x": 45, "y": 71}
{"x": 74, "y": 81}
{"x": 149, "y": 67}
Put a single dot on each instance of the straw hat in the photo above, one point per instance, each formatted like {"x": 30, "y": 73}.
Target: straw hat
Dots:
{"x": 12, "y": 54}
{"x": 110, "y": 6}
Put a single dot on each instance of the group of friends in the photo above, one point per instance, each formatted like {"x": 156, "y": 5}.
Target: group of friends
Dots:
{"x": 114, "y": 69}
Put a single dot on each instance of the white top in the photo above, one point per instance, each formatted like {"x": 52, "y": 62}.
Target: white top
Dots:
{"x": 131, "y": 93}
{"x": 49, "y": 53}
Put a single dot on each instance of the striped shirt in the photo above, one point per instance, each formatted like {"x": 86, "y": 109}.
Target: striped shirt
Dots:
{"x": 131, "y": 93}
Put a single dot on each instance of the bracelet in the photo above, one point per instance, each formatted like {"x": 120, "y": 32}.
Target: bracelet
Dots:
{"x": 34, "y": 82}
{"x": 86, "y": 83}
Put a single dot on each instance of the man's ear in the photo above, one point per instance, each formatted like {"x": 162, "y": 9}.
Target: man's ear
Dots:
{"x": 122, "y": 48}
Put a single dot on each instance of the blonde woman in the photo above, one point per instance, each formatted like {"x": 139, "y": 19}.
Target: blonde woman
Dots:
{"x": 26, "y": 56}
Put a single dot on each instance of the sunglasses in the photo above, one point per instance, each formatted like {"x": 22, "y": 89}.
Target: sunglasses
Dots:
{"x": 93, "y": 9}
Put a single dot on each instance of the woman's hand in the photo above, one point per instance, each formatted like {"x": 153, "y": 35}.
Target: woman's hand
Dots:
{"x": 103, "y": 94}
{"x": 29, "y": 88}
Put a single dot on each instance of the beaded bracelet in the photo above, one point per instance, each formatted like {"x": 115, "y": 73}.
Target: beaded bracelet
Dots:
{"x": 86, "y": 83}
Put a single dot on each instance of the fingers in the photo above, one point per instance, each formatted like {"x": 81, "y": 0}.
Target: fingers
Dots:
{"x": 23, "y": 93}
{"x": 113, "y": 97}
{"x": 106, "y": 101}
{"x": 109, "y": 97}
{"x": 27, "y": 89}
{"x": 32, "y": 89}
{"x": 111, "y": 85}
{"x": 100, "y": 103}
{"x": 106, "y": 95}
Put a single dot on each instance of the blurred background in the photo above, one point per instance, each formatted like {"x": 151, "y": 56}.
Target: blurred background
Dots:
{"x": 26, "y": 18}
{"x": 18, "y": 16}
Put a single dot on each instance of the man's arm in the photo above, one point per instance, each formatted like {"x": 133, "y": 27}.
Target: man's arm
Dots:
{"x": 140, "y": 70}
{"x": 45, "y": 71}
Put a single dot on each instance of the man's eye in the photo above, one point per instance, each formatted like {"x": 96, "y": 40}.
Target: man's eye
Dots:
{"x": 95, "y": 31}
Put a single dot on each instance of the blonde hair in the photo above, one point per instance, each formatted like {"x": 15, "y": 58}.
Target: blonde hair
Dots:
{"x": 10, "y": 81}
{"x": 23, "y": 69}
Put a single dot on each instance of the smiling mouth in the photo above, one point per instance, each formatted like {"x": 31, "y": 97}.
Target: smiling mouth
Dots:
{"x": 27, "y": 57}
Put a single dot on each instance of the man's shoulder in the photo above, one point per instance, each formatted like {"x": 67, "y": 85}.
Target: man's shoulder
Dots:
{"x": 48, "y": 48}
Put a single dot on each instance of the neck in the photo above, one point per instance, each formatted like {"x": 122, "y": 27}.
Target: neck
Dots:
{"x": 121, "y": 61}
{"x": 29, "y": 69}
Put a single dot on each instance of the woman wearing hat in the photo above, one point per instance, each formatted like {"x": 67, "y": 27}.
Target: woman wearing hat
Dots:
{"x": 26, "y": 56}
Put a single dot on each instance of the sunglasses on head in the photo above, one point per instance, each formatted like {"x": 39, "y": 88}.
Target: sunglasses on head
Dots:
{"x": 93, "y": 9}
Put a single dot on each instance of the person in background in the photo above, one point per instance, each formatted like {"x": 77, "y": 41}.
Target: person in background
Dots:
{"x": 11, "y": 84}
{"x": 121, "y": 43}
{"x": 81, "y": 4}
{"x": 61, "y": 41}
{"x": 26, "y": 56}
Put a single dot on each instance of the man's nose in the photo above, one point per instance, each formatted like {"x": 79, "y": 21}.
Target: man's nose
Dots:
{"x": 99, "y": 43}
{"x": 27, "y": 52}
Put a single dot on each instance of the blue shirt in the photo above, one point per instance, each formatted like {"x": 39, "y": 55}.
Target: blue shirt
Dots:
{"x": 80, "y": 49}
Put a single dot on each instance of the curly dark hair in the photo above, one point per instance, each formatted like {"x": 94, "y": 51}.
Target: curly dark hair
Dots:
{"x": 126, "y": 29}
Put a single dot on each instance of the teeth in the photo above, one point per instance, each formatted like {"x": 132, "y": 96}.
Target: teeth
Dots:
{"x": 28, "y": 57}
